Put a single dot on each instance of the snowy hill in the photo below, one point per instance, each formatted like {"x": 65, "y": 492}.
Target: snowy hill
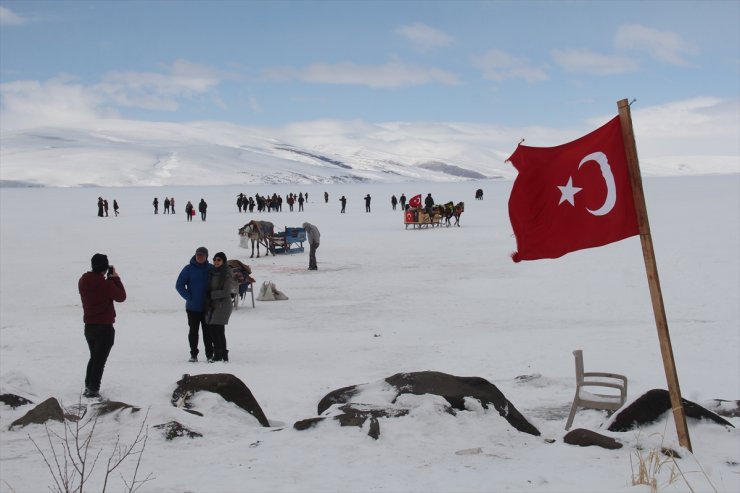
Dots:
{"x": 135, "y": 153}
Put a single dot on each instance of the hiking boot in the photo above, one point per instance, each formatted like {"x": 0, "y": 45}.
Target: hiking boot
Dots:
{"x": 193, "y": 359}
{"x": 91, "y": 394}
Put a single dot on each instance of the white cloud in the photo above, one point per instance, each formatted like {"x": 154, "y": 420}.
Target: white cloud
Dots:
{"x": 663, "y": 46}
{"x": 62, "y": 100}
{"x": 425, "y": 38}
{"x": 57, "y": 101}
{"x": 498, "y": 65}
{"x": 389, "y": 75}
{"x": 589, "y": 62}
{"x": 10, "y": 18}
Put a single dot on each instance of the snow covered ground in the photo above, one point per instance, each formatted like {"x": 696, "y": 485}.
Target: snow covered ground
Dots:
{"x": 384, "y": 300}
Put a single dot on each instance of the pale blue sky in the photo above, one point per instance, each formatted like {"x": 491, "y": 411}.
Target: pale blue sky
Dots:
{"x": 271, "y": 63}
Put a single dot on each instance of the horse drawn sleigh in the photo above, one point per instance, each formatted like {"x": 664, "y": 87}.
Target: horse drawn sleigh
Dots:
{"x": 425, "y": 217}
{"x": 256, "y": 233}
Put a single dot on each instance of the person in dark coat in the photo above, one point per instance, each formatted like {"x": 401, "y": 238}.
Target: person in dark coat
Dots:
{"x": 166, "y": 205}
{"x": 115, "y": 207}
{"x": 172, "y": 205}
{"x": 189, "y": 211}
{"x": 402, "y": 199}
{"x": 300, "y": 201}
{"x": 100, "y": 206}
{"x": 219, "y": 305}
{"x": 367, "y": 203}
{"x": 394, "y": 202}
{"x": 429, "y": 201}
{"x": 343, "y": 200}
{"x": 314, "y": 238}
{"x": 156, "y": 205}
{"x": 192, "y": 284}
{"x": 202, "y": 206}
{"x": 326, "y": 197}
{"x": 98, "y": 294}
{"x": 105, "y": 207}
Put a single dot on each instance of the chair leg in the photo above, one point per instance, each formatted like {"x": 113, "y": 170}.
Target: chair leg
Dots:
{"x": 572, "y": 414}
{"x": 251, "y": 291}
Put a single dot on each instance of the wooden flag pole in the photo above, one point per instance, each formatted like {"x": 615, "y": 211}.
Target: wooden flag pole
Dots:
{"x": 656, "y": 295}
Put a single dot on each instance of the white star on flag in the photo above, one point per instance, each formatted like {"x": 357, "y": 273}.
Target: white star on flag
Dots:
{"x": 568, "y": 192}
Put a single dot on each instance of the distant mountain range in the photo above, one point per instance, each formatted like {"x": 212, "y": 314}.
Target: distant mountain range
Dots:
{"x": 124, "y": 153}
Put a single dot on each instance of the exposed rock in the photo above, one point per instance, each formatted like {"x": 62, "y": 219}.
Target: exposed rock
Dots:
{"x": 651, "y": 405}
{"x": 173, "y": 430}
{"x": 13, "y": 400}
{"x": 226, "y": 385}
{"x": 452, "y": 388}
{"x": 728, "y": 409}
{"x": 108, "y": 407}
{"x": 588, "y": 438}
{"x": 356, "y": 415}
{"x": 339, "y": 396}
{"x": 48, "y": 410}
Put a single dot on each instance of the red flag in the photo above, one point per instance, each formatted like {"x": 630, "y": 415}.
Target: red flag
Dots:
{"x": 415, "y": 201}
{"x": 570, "y": 197}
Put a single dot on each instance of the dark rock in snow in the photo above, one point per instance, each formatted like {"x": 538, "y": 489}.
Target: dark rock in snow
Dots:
{"x": 651, "y": 405}
{"x": 454, "y": 390}
{"x": 13, "y": 400}
{"x": 48, "y": 410}
{"x": 173, "y": 430}
{"x": 226, "y": 385}
{"x": 108, "y": 407}
{"x": 356, "y": 415}
{"x": 587, "y": 438}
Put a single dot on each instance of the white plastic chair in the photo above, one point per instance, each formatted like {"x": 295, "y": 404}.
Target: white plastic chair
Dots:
{"x": 590, "y": 400}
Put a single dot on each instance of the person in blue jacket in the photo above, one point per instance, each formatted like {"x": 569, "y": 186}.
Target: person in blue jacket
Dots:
{"x": 192, "y": 284}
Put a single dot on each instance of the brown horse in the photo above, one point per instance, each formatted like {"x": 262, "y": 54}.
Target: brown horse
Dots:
{"x": 458, "y": 210}
{"x": 260, "y": 233}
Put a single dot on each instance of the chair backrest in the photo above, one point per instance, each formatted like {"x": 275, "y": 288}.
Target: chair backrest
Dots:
{"x": 578, "y": 353}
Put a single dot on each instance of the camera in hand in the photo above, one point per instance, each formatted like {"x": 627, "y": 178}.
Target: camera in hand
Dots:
{"x": 111, "y": 271}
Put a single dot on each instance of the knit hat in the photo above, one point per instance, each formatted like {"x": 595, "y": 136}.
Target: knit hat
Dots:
{"x": 202, "y": 250}
{"x": 220, "y": 255}
{"x": 99, "y": 262}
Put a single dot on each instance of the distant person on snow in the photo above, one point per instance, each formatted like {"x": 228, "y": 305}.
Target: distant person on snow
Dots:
{"x": 314, "y": 238}
{"x": 402, "y": 199}
{"x": 202, "y": 206}
{"x": 115, "y": 207}
{"x": 394, "y": 202}
{"x": 367, "y": 203}
{"x": 166, "y": 205}
{"x": 326, "y": 197}
{"x": 192, "y": 284}
{"x": 172, "y": 205}
{"x": 189, "y": 211}
{"x": 343, "y": 200}
{"x": 156, "y": 205}
{"x": 98, "y": 289}
{"x": 100, "y": 206}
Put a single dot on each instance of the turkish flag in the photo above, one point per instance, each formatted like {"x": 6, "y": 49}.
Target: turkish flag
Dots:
{"x": 570, "y": 197}
{"x": 415, "y": 201}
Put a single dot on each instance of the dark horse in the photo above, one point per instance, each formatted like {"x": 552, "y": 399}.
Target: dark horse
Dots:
{"x": 457, "y": 212}
{"x": 261, "y": 233}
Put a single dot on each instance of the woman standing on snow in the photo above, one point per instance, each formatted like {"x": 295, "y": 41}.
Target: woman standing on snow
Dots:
{"x": 218, "y": 305}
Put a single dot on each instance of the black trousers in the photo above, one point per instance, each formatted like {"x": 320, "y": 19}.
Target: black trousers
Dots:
{"x": 100, "y": 339}
{"x": 218, "y": 334}
{"x": 197, "y": 320}
{"x": 312, "y": 256}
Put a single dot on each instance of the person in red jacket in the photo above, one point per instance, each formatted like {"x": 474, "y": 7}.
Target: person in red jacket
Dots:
{"x": 99, "y": 288}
